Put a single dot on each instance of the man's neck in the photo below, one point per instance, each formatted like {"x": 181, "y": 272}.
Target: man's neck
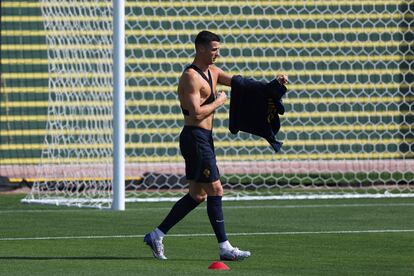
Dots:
{"x": 203, "y": 66}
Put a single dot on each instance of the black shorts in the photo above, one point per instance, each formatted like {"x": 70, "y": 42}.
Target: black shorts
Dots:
{"x": 197, "y": 148}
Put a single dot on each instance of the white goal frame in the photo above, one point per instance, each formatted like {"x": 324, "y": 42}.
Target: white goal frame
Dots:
{"x": 118, "y": 201}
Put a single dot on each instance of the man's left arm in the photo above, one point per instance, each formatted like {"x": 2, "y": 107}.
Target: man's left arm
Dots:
{"x": 223, "y": 78}
{"x": 282, "y": 79}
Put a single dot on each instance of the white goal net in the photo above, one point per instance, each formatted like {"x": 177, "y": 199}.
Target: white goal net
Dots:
{"x": 347, "y": 130}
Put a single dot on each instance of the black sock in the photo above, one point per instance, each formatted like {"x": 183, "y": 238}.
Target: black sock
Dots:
{"x": 215, "y": 214}
{"x": 180, "y": 209}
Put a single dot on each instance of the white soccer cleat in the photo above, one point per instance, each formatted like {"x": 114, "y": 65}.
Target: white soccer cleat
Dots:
{"x": 234, "y": 254}
{"x": 156, "y": 246}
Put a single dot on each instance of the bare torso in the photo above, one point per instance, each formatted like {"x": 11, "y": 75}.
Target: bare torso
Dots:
{"x": 193, "y": 91}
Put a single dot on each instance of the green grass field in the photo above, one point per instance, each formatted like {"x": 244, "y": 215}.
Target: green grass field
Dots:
{"x": 314, "y": 237}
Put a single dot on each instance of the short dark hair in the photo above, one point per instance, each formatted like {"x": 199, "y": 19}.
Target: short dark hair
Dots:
{"x": 205, "y": 37}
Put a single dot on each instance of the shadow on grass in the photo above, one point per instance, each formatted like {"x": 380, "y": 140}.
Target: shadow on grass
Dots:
{"x": 86, "y": 258}
{"x": 34, "y": 258}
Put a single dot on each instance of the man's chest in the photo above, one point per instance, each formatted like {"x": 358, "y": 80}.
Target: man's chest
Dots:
{"x": 206, "y": 89}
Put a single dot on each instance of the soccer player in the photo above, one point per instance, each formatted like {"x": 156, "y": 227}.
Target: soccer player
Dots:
{"x": 198, "y": 99}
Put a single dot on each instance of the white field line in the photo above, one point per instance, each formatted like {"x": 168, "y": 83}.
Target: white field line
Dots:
{"x": 146, "y": 209}
{"x": 321, "y": 206}
{"x": 341, "y": 232}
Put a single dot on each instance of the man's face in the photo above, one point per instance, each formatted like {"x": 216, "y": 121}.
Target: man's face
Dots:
{"x": 214, "y": 50}
{"x": 211, "y": 52}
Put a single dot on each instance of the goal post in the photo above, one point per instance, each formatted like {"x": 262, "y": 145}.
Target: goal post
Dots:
{"x": 118, "y": 201}
{"x": 347, "y": 130}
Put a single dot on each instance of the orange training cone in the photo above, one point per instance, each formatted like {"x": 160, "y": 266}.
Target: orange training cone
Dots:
{"x": 218, "y": 266}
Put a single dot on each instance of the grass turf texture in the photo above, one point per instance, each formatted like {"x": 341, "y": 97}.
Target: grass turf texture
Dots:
{"x": 284, "y": 252}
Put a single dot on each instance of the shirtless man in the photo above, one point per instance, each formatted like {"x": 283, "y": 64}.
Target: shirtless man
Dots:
{"x": 198, "y": 99}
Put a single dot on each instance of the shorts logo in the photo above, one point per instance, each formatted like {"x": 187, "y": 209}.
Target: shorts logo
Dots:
{"x": 206, "y": 172}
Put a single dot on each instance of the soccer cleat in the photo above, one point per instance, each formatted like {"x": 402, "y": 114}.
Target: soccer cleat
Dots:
{"x": 156, "y": 246}
{"x": 234, "y": 254}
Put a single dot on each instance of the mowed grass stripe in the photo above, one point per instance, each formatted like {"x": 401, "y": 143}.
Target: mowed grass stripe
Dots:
{"x": 191, "y": 32}
{"x": 221, "y": 144}
{"x": 248, "y": 206}
{"x": 171, "y": 103}
{"x": 206, "y": 4}
{"x": 216, "y": 18}
{"x": 187, "y": 235}
{"x": 225, "y": 45}
{"x": 169, "y": 89}
{"x": 178, "y": 158}
{"x": 178, "y": 116}
{"x": 217, "y": 130}
{"x": 176, "y": 75}
{"x": 251, "y": 59}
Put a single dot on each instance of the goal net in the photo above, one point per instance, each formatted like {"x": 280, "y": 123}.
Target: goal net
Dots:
{"x": 347, "y": 129}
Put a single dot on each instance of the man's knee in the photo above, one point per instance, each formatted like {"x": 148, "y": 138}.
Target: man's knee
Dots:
{"x": 198, "y": 196}
{"x": 215, "y": 189}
